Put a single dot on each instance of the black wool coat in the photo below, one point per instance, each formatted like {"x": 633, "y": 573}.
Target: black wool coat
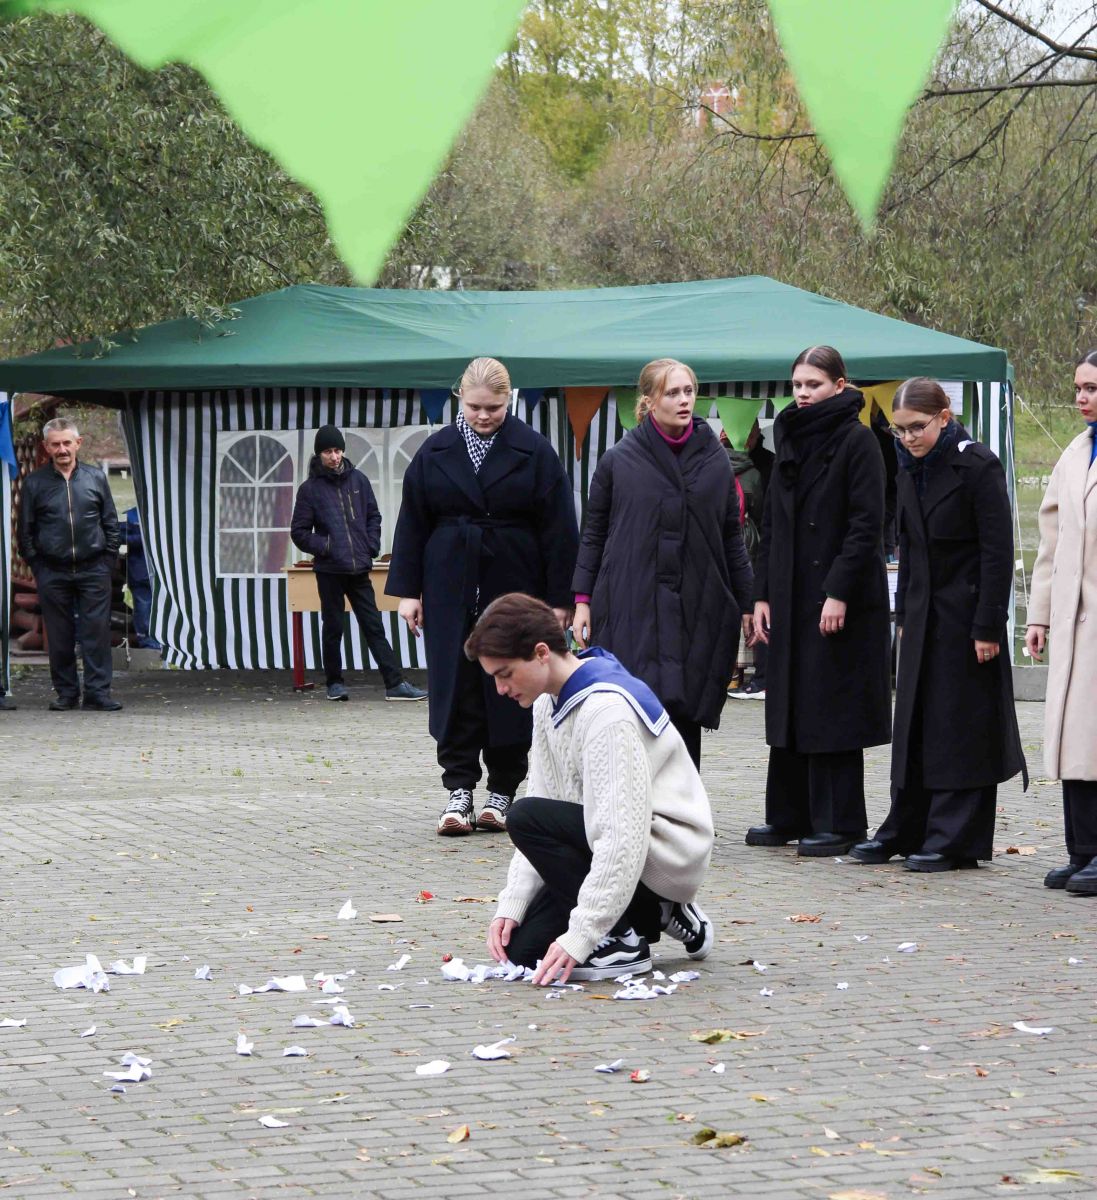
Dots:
{"x": 822, "y": 535}
{"x": 663, "y": 560}
{"x": 462, "y": 539}
{"x": 955, "y": 579}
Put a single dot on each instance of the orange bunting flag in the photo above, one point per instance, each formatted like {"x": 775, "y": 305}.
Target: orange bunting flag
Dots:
{"x": 582, "y": 403}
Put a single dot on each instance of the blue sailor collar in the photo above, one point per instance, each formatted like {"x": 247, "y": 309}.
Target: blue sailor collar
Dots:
{"x": 601, "y": 672}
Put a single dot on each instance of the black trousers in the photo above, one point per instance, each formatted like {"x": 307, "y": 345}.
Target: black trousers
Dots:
{"x": 76, "y": 606}
{"x": 691, "y": 735}
{"x": 761, "y": 653}
{"x": 551, "y": 834}
{"x": 816, "y": 793}
{"x": 466, "y": 738}
{"x": 333, "y": 587}
{"x": 958, "y": 823}
{"x": 1080, "y": 816}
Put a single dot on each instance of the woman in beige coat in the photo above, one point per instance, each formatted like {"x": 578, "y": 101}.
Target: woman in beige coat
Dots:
{"x": 1063, "y": 610}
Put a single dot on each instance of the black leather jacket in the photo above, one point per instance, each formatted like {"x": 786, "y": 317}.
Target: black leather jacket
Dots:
{"x": 67, "y": 523}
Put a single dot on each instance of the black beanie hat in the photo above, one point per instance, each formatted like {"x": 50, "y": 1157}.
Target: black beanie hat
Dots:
{"x": 329, "y": 438}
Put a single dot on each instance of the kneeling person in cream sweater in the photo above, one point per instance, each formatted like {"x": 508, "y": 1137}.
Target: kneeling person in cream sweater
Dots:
{"x": 615, "y": 831}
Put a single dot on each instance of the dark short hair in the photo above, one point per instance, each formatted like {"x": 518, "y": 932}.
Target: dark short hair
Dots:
{"x": 511, "y": 627}
{"x": 1089, "y": 359}
{"x": 921, "y": 395}
{"x": 826, "y": 358}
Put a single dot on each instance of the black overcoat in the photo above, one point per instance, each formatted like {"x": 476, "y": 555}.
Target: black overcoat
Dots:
{"x": 955, "y": 579}
{"x": 463, "y": 538}
{"x": 663, "y": 560}
{"x": 822, "y": 535}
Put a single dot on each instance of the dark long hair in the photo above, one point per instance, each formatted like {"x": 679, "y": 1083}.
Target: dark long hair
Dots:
{"x": 825, "y": 358}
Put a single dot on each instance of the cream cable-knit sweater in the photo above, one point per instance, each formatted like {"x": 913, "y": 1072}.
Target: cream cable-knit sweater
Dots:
{"x": 645, "y": 809}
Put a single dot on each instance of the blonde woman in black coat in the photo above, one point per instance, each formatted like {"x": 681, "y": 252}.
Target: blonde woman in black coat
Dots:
{"x": 956, "y": 733}
{"x": 822, "y": 606}
{"x": 663, "y": 579}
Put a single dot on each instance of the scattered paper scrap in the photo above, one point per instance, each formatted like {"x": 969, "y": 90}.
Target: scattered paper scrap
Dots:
{"x": 285, "y": 983}
{"x": 924, "y": 1048}
{"x": 203, "y": 972}
{"x": 304, "y": 1021}
{"x": 907, "y": 947}
{"x": 805, "y": 918}
{"x": 136, "y": 1070}
{"x": 1039, "y": 1030}
{"x": 832, "y": 1134}
{"x": 765, "y": 992}
{"x": 711, "y": 1140}
{"x": 760, "y": 967}
{"x": 243, "y": 1046}
{"x": 385, "y": 918}
{"x": 347, "y": 913}
{"x": 842, "y": 987}
{"x": 89, "y": 974}
{"x": 119, "y": 1088}
{"x": 12, "y": 1023}
{"x": 341, "y": 1016}
{"x": 494, "y": 1051}
{"x": 638, "y": 990}
{"x": 1073, "y": 962}
{"x": 860, "y": 937}
{"x": 610, "y": 1068}
{"x": 121, "y": 967}
{"x": 682, "y": 976}
{"x": 269, "y": 1122}
{"x": 457, "y": 971}
{"x": 330, "y": 988}
{"x": 438, "y": 1066}
{"x": 641, "y": 1076}
{"x": 719, "y": 1068}
{"x": 400, "y": 963}
{"x": 460, "y": 1134}
{"x": 424, "y": 898}
{"x": 712, "y": 1036}
{"x": 295, "y": 1052}
{"x": 88, "y": 1032}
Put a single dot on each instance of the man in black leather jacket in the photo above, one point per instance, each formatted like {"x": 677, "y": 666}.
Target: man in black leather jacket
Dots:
{"x": 68, "y": 535}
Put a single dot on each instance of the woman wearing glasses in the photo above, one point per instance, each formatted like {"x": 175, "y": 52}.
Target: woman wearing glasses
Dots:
{"x": 956, "y": 733}
{"x": 486, "y": 509}
{"x": 1064, "y": 595}
{"x": 822, "y": 606}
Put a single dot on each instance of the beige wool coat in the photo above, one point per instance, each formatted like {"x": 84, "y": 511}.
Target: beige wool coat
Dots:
{"x": 1064, "y": 598}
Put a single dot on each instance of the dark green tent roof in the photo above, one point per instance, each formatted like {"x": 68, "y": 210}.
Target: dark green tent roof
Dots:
{"x": 727, "y": 329}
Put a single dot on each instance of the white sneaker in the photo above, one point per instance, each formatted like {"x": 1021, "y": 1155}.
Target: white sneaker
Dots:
{"x": 459, "y": 816}
{"x": 616, "y": 954}
{"x": 493, "y": 816}
{"x": 689, "y": 925}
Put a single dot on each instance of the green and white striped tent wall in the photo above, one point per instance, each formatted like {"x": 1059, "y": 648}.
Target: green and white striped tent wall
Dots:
{"x": 206, "y": 617}
{"x": 5, "y": 560}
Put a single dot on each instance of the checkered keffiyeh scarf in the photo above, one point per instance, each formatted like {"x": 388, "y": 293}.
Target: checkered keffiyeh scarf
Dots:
{"x": 478, "y": 447}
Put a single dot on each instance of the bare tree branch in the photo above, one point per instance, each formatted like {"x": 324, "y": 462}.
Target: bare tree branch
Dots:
{"x": 1088, "y": 53}
{"x": 1021, "y": 85}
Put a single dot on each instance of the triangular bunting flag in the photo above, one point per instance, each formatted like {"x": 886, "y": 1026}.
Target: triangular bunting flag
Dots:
{"x": 625, "y": 399}
{"x": 532, "y": 397}
{"x": 433, "y": 401}
{"x": 582, "y": 404}
{"x": 737, "y": 417}
{"x": 882, "y": 394}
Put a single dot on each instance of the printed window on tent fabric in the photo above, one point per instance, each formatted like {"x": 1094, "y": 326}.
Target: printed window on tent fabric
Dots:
{"x": 258, "y": 473}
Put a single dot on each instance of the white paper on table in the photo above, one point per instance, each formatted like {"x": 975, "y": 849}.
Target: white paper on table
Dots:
{"x": 121, "y": 967}
{"x": 89, "y": 1031}
{"x": 438, "y": 1067}
{"x": 295, "y": 1052}
{"x": 304, "y": 1021}
{"x": 1040, "y": 1030}
{"x": 89, "y": 975}
{"x": 610, "y": 1068}
{"x": 243, "y": 1046}
{"x": 347, "y": 913}
{"x": 203, "y": 972}
{"x": 269, "y": 1122}
{"x": 495, "y": 1050}
{"x": 400, "y": 963}
{"x": 341, "y": 1016}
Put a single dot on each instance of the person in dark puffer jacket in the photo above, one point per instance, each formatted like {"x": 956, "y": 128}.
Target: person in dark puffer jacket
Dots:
{"x": 337, "y": 521}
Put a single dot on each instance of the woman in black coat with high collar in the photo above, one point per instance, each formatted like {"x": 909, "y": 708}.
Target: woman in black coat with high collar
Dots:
{"x": 822, "y": 607}
{"x": 663, "y": 578}
{"x": 486, "y": 509}
{"x": 956, "y": 732}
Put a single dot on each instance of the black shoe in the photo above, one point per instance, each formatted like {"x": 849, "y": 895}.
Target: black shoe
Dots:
{"x": 7, "y": 704}
{"x": 689, "y": 925}
{"x": 1084, "y": 882}
{"x": 64, "y": 704}
{"x": 769, "y": 835}
{"x": 873, "y": 853}
{"x": 1057, "y": 877}
{"x": 823, "y": 845}
{"x": 102, "y": 704}
{"x": 405, "y": 691}
{"x": 939, "y": 862}
{"x": 338, "y": 691}
{"x": 616, "y": 954}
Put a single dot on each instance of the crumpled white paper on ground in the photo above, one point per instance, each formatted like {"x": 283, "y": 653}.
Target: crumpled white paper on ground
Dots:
{"x": 137, "y": 1069}
{"x": 347, "y": 913}
{"x": 495, "y": 1050}
{"x": 89, "y": 974}
{"x": 243, "y": 1046}
{"x": 285, "y": 983}
{"x": 438, "y": 1066}
{"x": 121, "y": 967}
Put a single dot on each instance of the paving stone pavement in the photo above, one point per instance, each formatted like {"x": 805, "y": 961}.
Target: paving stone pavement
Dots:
{"x": 223, "y": 820}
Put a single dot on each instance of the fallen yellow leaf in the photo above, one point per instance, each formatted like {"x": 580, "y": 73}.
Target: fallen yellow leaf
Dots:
{"x": 460, "y": 1134}
{"x": 711, "y": 1036}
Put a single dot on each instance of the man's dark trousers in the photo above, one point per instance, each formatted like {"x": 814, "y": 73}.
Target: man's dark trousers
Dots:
{"x": 333, "y": 586}
{"x": 76, "y": 606}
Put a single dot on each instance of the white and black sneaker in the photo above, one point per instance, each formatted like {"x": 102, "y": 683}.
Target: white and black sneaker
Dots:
{"x": 459, "y": 816}
{"x": 689, "y": 925}
{"x": 616, "y": 954}
{"x": 493, "y": 816}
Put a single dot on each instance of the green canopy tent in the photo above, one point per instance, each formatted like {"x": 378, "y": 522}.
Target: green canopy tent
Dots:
{"x": 219, "y": 421}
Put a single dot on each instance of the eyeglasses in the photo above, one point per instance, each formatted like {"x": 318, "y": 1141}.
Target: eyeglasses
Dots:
{"x": 899, "y": 432}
